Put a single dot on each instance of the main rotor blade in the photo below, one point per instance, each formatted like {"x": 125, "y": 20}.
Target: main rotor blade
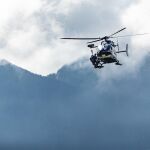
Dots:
{"x": 117, "y": 32}
{"x": 130, "y": 35}
{"x": 100, "y": 39}
{"x": 80, "y": 38}
{"x": 94, "y": 41}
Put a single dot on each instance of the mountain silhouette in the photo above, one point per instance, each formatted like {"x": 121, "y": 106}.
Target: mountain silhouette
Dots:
{"x": 73, "y": 109}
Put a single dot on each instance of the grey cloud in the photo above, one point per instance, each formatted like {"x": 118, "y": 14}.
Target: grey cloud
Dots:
{"x": 87, "y": 19}
{"x": 101, "y": 18}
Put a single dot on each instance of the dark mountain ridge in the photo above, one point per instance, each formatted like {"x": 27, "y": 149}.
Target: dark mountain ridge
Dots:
{"x": 73, "y": 109}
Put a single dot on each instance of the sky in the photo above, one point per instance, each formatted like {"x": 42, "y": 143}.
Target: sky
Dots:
{"x": 30, "y": 32}
{"x": 73, "y": 109}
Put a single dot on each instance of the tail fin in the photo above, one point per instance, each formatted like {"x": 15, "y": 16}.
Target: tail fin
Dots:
{"x": 127, "y": 47}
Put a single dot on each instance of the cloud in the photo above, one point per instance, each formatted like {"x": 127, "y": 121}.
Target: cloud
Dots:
{"x": 30, "y": 36}
{"x": 136, "y": 18}
{"x": 30, "y": 31}
{"x": 10, "y": 8}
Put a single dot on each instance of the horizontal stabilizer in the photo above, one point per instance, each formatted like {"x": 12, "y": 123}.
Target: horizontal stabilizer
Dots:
{"x": 126, "y": 51}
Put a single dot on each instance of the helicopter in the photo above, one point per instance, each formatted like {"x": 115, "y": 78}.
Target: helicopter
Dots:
{"x": 107, "y": 50}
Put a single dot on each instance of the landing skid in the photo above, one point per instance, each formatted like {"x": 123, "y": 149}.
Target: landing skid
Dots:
{"x": 118, "y": 63}
{"x": 99, "y": 67}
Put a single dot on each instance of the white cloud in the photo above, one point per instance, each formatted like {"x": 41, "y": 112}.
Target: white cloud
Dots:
{"x": 136, "y": 18}
{"x": 30, "y": 35}
{"x": 30, "y": 30}
{"x": 8, "y": 8}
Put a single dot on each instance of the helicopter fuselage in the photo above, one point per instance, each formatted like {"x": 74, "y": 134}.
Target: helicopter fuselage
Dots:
{"x": 105, "y": 55}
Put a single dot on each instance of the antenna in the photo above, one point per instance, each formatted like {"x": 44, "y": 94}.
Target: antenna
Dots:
{"x": 92, "y": 51}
